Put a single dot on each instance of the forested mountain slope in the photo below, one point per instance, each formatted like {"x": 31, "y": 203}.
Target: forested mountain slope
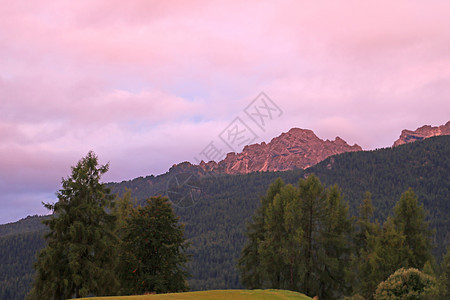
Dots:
{"x": 28, "y": 224}
{"x": 17, "y": 255}
{"x": 216, "y": 223}
{"x": 387, "y": 173}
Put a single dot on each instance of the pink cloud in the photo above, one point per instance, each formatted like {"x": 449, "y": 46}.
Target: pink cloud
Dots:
{"x": 147, "y": 84}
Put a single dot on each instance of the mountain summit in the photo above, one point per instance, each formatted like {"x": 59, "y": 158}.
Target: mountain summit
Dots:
{"x": 295, "y": 149}
{"x": 421, "y": 133}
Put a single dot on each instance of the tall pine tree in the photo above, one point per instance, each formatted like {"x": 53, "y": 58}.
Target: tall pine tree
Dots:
{"x": 79, "y": 257}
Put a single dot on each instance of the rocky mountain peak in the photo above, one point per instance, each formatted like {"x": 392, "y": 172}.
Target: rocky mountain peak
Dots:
{"x": 297, "y": 148}
{"x": 426, "y": 131}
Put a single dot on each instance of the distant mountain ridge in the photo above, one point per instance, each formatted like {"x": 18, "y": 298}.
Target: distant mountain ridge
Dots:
{"x": 426, "y": 131}
{"x": 295, "y": 149}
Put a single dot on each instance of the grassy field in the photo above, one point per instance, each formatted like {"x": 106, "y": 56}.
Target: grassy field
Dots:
{"x": 217, "y": 295}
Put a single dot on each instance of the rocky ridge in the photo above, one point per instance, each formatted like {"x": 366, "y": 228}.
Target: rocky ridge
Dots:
{"x": 295, "y": 149}
{"x": 408, "y": 136}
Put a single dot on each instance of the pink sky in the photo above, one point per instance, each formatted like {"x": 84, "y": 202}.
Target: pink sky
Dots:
{"x": 146, "y": 84}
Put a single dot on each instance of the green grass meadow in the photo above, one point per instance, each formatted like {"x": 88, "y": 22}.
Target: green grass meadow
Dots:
{"x": 216, "y": 295}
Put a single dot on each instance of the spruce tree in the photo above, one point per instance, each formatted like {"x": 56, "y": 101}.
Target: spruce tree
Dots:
{"x": 79, "y": 257}
{"x": 153, "y": 252}
{"x": 409, "y": 218}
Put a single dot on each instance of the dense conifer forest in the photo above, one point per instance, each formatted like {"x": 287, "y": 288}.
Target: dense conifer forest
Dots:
{"x": 17, "y": 255}
{"x": 216, "y": 224}
{"x": 387, "y": 173}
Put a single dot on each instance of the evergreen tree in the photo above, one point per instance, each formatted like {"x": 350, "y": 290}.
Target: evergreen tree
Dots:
{"x": 404, "y": 241}
{"x": 428, "y": 269}
{"x": 389, "y": 253}
{"x": 300, "y": 240}
{"x": 282, "y": 239}
{"x": 79, "y": 257}
{"x": 334, "y": 268}
{"x": 313, "y": 199}
{"x": 293, "y": 238}
{"x": 366, "y": 230}
{"x": 252, "y": 275}
{"x": 365, "y": 225}
{"x": 409, "y": 218}
{"x": 123, "y": 208}
{"x": 444, "y": 278}
{"x": 153, "y": 257}
{"x": 269, "y": 247}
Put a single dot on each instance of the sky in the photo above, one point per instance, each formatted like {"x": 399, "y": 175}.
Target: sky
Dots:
{"x": 147, "y": 84}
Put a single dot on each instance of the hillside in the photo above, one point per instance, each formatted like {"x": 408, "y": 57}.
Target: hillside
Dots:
{"x": 19, "y": 242}
{"x": 17, "y": 255}
{"x": 28, "y": 224}
{"x": 217, "y": 295}
{"x": 387, "y": 173}
{"x": 216, "y": 223}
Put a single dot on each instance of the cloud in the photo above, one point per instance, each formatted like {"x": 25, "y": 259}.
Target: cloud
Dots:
{"x": 146, "y": 84}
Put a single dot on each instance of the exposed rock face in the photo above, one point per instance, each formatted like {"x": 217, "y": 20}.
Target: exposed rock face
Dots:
{"x": 421, "y": 133}
{"x": 298, "y": 148}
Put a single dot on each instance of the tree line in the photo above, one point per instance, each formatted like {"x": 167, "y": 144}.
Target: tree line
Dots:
{"x": 98, "y": 247}
{"x": 302, "y": 238}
